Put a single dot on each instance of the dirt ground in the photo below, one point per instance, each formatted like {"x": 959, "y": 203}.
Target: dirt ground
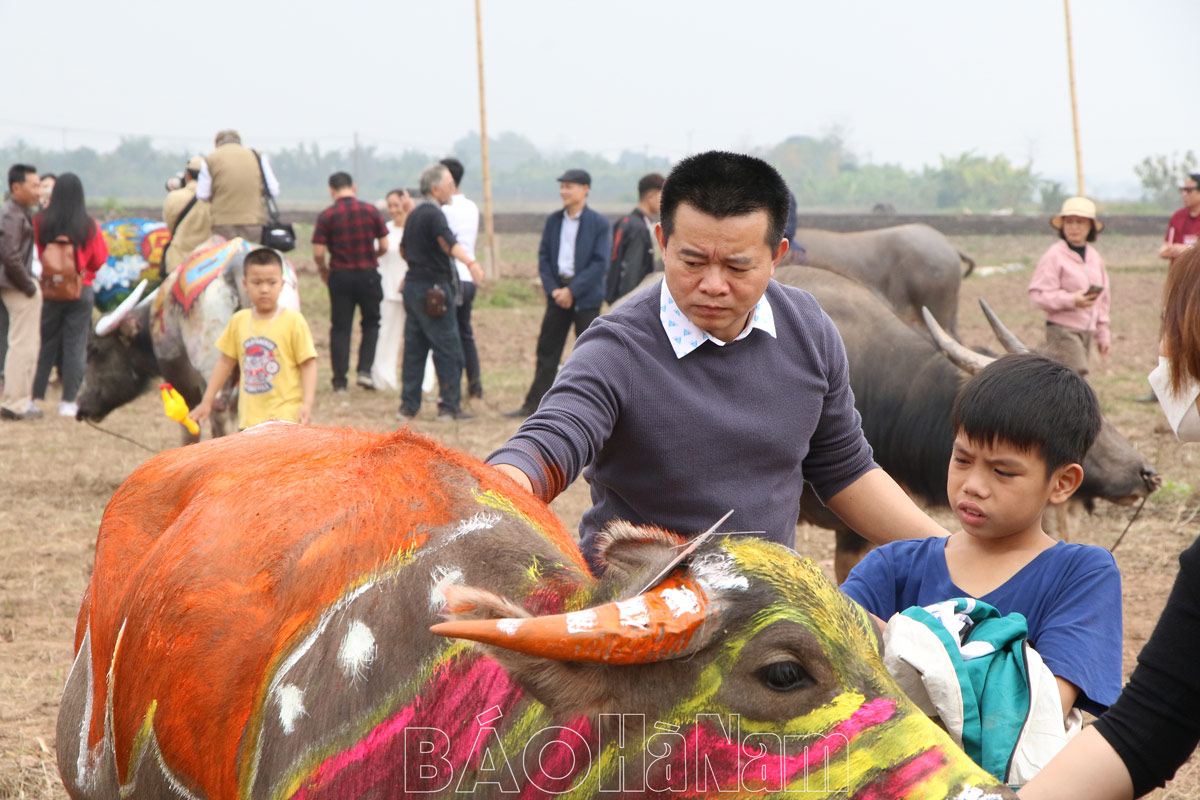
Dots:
{"x": 58, "y": 474}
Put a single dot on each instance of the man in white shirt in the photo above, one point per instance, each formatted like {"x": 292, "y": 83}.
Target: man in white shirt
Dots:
{"x": 462, "y": 215}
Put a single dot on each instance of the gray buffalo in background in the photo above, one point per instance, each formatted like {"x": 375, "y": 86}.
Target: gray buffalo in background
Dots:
{"x": 909, "y": 265}
{"x": 904, "y": 388}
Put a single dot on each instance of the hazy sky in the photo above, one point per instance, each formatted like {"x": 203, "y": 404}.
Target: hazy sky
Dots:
{"x": 904, "y": 81}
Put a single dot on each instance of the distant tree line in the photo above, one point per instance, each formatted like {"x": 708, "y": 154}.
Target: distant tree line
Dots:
{"x": 822, "y": 172}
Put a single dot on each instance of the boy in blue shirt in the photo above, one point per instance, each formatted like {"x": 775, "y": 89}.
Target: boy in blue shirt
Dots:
{"x": 1022, "y": 428}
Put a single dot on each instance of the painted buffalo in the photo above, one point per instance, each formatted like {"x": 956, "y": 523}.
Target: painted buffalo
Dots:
{"x": 904, "y": 388}
{"x": 258, "y": 627}
{"x": 173, "y": 334}
{"x": 909, "y": 265}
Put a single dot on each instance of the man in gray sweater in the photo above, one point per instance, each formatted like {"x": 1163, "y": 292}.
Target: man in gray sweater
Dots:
{"x": 714, "y": 389}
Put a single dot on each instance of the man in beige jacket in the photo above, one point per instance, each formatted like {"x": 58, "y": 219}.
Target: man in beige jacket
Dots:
{"x": 231, "y": 180}
{"x": 188, "y": 220}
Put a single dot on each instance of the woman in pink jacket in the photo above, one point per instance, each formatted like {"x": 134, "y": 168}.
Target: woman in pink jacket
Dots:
{"x": 1071, "y": 285}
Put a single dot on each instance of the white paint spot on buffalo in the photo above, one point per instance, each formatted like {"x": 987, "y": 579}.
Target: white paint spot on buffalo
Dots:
{"x": 582, "y": 621}
{"x": 718, "y": 571}
{"x": 484, "y": 520}
{"x": 357, "y": 651}
{"x": 970, "y": 792}
{"x": 509, "y": 626}
{"x": 290, "y": 699}
{"x": 681, "y": 601}
{"x": 634, "y": 613}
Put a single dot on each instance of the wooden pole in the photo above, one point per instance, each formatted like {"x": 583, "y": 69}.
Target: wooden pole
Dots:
{"x": 489, "y": 225}
{"x": 1074, "y": 106}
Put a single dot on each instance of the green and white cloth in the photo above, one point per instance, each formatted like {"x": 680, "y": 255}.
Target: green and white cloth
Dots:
{"x": 963, "y": 663}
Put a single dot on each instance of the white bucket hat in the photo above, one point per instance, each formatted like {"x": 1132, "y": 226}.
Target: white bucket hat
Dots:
{"x": 1077, "y": 207}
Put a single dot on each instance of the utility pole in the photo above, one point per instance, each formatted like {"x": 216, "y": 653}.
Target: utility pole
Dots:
{"x": 489, "y": 225}
{"x": 357, "y": 177}
{"x": 1074, "y": 107}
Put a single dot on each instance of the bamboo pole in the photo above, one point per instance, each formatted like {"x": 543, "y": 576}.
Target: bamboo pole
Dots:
{"x": 1074, "y": 106}
{"x": 489, "y": 225}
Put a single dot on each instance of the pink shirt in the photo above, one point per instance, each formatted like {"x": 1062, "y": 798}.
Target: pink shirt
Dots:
{"x": 1059, "y": 275}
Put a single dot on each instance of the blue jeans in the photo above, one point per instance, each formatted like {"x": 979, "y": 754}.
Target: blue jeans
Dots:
{"x": 422, "y": 333}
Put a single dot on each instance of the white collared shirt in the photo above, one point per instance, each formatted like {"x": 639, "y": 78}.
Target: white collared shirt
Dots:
{"x": 685, "y": 336}
{"x": 462, "y": 215}
{"x": 566, "y": 244}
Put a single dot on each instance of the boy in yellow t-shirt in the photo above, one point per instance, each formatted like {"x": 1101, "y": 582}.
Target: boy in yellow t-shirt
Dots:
{"x": 274, "y": 348}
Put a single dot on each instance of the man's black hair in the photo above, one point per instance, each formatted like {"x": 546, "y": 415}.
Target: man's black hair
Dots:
{"x": 340, "y": 180}
{"x": 456, "y": 169}
{"x": 724, "y": 185}
{"x": 17, "y": 173}
{"x": 262, "y": 256}
{"x": 1195, "y": 176}
{"x": 1032, "y": 403}
{"x": 650, "y": 183}
{"x": 194, "y": 174}
{"x": 51, "y": 176}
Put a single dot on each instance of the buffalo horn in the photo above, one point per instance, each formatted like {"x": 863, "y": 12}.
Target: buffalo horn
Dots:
{"x": 109, "y": 322}
{"x": 964, "y": 357}
{"x": 662, "y": 623}
{"x": 1007, "y": 338}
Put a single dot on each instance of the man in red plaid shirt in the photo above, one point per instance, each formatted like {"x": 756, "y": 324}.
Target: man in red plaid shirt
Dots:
{"x": 353, "y": 235}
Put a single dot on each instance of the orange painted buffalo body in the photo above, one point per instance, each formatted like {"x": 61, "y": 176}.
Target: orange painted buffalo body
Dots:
{"x": 258, "y": 627}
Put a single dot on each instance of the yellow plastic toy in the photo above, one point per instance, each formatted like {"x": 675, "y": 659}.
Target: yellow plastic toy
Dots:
{"x": 175, "y": 407}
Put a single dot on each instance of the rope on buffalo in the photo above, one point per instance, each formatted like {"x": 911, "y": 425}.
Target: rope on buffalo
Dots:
{"x": 1131, "y": 519}
{"x": 120, "y": 436}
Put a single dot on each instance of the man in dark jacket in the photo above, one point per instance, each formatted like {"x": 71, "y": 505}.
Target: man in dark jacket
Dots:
{"x": 572, "y": 262}
{"x": 20, "y": 293}
{"x": 633, "y": 241}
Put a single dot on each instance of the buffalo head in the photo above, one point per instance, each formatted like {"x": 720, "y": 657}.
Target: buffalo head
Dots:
{"x": 1113, "y": 469}
{"x": 120, "y": 358}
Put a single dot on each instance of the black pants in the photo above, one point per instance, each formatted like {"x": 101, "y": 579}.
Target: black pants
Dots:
{"x": 64, "y": 342}
{"x": 423, "y": 333}
{"x": 349, "y": 288}
{"x": 556, "y": 324}
{"x": 467, "y": 335}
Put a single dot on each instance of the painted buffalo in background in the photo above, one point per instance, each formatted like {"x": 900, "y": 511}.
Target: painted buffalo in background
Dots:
{"x": 172, "y": 333}
{"x": 258, "y": 626}
{"x": 909, "y": 265}
{"x": 904, "y": 388}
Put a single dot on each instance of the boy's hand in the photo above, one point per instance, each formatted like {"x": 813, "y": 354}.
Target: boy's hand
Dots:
{"x": 201, "y": 412}
{"x": 305, "y": 416}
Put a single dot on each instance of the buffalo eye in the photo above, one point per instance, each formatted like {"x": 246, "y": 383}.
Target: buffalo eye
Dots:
{"x": 785, "y": 676}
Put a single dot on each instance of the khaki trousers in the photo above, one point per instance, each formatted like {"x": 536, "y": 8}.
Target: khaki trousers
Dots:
{"x": 1069, "y": 346}
{"x": 24, "y": 343}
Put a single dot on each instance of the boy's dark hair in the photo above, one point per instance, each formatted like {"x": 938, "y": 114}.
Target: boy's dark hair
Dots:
{"x": 456, "y": 169}
{"x": 1033, "y": 403}
{"x": 650, "y": 183}
{"x": 17, "y": 173}
{"x": 340, "y": 180}
{"x": 724, "y": 185}
{"x": 261, "y": 257}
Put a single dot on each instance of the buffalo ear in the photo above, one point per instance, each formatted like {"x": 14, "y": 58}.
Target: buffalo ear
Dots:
{"x": 128, "y": 329}
{"x": 568, "y": 687}
{"x": 640, "y": 551}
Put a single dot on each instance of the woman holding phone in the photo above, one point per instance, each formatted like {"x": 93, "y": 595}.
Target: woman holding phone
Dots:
{"x": 1071, "y": 285}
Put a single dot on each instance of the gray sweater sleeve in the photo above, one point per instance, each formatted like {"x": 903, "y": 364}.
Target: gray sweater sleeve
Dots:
{"x": 838, "y": 452}
{"x": 575, "y": 417}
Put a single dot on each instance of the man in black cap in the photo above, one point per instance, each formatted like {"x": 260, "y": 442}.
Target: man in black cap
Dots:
{"x": 572, "y": 262}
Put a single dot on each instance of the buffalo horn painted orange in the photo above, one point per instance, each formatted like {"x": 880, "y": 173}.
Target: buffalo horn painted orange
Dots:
{"x": 654, "y": 626}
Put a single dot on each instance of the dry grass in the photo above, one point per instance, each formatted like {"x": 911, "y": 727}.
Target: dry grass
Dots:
{"x": 59, "y": 474}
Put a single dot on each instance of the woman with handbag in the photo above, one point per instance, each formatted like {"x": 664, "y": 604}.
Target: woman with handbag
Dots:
{"x": 66, "y": 238}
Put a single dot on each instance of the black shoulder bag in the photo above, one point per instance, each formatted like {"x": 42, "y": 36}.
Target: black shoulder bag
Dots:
{"x": 275, "y": 234}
